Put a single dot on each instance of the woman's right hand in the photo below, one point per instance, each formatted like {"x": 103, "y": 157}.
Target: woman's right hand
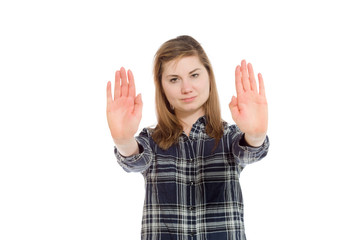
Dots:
{"x": 125, "y": 109}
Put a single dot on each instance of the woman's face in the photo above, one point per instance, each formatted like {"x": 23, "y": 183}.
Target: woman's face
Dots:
{"x": 186, "y": 85}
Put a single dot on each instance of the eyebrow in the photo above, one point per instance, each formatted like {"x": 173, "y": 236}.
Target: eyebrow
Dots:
{"x": 174, "y": 75}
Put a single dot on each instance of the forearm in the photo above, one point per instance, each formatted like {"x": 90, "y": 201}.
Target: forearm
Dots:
{"x": 127, "y": 147}
{"x": 255, "y": 141}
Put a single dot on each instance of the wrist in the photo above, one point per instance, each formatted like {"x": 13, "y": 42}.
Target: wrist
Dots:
{"x": 255, "y": 141}
{"x": 123, "y": 142}
{"x": 127, "y": 147}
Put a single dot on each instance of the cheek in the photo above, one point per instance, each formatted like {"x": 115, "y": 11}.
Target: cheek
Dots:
{"x": 206, "y": 88}
{"x": 168, "y": 93}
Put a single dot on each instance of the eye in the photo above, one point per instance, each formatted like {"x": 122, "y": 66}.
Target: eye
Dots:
{"x": 173, "y": 80}
{"x": 195, "y": 75}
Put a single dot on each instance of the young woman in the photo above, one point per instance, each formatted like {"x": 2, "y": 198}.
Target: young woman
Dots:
{"x": 191, "y": 161}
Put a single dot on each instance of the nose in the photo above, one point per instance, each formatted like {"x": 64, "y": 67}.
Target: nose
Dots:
{"x": 186, "y": 87}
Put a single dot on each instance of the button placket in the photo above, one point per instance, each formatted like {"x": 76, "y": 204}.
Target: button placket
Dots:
{"x": 191, "y": 186}
{"x": 192, "y": 235}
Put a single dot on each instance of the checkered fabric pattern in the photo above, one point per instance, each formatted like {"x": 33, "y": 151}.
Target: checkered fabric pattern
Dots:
{"x": 193, "y": 190}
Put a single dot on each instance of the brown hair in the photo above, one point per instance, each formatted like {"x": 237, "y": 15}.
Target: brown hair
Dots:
{"x": 168, "y": 128}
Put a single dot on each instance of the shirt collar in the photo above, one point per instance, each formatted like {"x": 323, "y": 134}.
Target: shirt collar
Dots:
{"x": 197, "y": 129}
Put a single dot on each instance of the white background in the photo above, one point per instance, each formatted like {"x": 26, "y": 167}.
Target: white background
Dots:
{"x": 59, "y": 178}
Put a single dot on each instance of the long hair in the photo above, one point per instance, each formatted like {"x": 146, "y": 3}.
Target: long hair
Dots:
{"x": 168, "y": 129}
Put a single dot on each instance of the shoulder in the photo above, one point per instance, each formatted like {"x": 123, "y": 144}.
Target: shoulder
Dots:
{"x": 144, "y": 138}
{"x": 146, "y": 133}
{"x": 230, "y": 128}
{"x": 148, "y": 130}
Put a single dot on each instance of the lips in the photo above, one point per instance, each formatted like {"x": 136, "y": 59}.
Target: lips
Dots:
{"x": 188, "y": 99}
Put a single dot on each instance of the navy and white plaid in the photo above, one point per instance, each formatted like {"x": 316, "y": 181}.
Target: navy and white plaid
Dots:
{"x": 192, "y": 190}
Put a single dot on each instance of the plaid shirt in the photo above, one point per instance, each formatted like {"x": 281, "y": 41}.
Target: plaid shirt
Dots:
{"x": 192, "y": 190}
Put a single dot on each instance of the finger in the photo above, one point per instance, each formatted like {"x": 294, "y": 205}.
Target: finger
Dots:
{"x": 117, "y": 88}
{"x": 131, "y": 84}
{"x": 109, "y": 97}
{"x": 238, "y": 81}
{"x": 252, "y": 78}
{"x": 245, "y": 79}
{"x": 124, "y": 83}
{"x": 261, "y": 85}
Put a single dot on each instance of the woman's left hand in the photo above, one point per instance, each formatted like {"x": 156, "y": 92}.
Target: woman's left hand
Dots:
{"x": 249, "y": 109}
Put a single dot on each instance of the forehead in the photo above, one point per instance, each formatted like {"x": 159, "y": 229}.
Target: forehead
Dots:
{"x": 182, "y": 65}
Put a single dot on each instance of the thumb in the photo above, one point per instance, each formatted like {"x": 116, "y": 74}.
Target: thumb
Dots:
{"x": 138, "y": 105}
{"x": 234, "y": 107}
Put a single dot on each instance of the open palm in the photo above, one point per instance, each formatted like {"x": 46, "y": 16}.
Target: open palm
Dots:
{"x": 124, "y": 111}
{"x": 249, "y": 108}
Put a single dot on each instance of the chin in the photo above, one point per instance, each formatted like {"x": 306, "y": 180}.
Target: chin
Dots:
{"x": 190, "y": 110}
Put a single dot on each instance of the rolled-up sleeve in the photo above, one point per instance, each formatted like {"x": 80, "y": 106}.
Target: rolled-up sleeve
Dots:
{"x": 245, "y": 155}
{"x": 139, "y": 162}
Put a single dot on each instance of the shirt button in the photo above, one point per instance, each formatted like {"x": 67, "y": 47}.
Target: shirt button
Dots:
{"x": 191, "y": 208}
{"x": 191, "y": 183}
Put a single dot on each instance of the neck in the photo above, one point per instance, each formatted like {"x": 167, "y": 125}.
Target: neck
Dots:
{"x": 188, "y": 119}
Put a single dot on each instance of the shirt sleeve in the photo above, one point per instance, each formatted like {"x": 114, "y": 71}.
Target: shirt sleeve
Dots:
{"x": 243, "y": 153}
{"x": 139, "y": 162}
